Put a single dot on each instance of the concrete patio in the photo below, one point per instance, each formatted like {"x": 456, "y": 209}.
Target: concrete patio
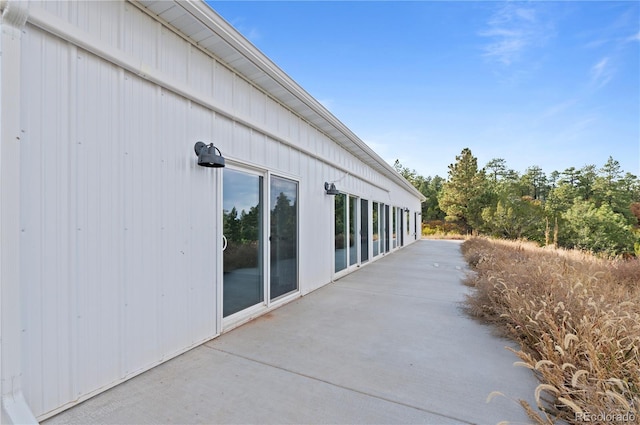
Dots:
{"x": 386, "y": 344}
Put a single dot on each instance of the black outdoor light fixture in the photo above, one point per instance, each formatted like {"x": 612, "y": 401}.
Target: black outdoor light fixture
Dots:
{"x": 330, "y": 188}
{"x": 207, "y": 156}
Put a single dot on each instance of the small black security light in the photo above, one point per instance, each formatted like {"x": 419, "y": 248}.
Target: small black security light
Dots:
{"x": 331, "y": 188}
{"x": 207, "y": 156}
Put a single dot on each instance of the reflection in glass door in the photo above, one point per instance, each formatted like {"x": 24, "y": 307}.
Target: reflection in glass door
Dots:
{"x": 243, "y": 283}
{"x": 376, "y": 229}
{"x": 353, "y": 222}
{"x": 340, "y": 232}
{"x": 394, "y": 233}
{"x": 345, "y": 231}
{"x": 383, "y": 229}
{"x": 386, "y": 228}
{"x": 284, "y": 237}
{"x": 400, "y": 216}
{"x": 364, "y": 230}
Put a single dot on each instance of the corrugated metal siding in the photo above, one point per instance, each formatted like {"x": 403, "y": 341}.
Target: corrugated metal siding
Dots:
{"x": 118, "y": 241}
{"x": 118, "y": 273}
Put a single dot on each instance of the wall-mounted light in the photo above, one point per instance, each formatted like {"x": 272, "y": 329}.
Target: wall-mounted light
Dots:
{"x": 330, "y": 188}
{"x": 207, "y": 156}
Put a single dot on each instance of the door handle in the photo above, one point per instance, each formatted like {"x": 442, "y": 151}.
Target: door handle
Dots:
{"x": 224, "y": 242}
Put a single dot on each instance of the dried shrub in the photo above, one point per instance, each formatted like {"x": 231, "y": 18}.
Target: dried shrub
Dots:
{"x": 577, "y": 318}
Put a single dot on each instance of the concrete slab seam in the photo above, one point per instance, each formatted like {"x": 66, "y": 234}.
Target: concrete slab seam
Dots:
{"x": 464, "y": 421}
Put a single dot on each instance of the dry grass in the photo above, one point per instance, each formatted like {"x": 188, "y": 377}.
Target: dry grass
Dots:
{"x": 577, "y": 318}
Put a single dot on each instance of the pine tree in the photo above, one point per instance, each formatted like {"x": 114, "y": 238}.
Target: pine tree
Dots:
{"x": 465, "y": 193}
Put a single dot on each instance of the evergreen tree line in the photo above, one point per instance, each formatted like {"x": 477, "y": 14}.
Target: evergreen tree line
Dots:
{"x": 588, "y": 208}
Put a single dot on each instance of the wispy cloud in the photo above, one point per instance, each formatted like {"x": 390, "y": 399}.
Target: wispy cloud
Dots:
{"x": 612, "y": 43}
{"x": 635, "y": 37}
{"x": 512, "y": 30}
{"x": 601, "y": 73}
{"x": 559, "y": 108}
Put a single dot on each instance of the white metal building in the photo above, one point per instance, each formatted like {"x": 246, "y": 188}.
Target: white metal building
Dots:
{"x": 118, "y": 250}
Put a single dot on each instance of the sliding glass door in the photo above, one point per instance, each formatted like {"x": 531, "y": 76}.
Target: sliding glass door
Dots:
{"x": 364, "y": 230}
{"x": 375, "y": 221}
{"x": 353, "y": 226}
{"x": 347, "y": 231}
{"x": 247, "y": 247}
{"x": 243, "y": 276}
{"x": 394, "y": 232}
{"x": 386, "y": 228}
{"x": 340, "y": 232}
{"x": 283, "y": 237}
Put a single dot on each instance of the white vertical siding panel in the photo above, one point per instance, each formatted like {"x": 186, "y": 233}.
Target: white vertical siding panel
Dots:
{"x": 48, "y": 232}
{"x": 222, "y": 134}
{"x": 97, "y": 231}
{"x": 60, "y": 9}
{"x": 271, "y": 115}
{"x": 295, "y": 166}
{"x": 98, "y": 18}
{"x": 136, "y": 30}
{"x": 258, "y": 106}
{"x": 314, "y": 144}
{"x": 303, "y": 134}
{"x": 223, "y": 86}
{"x": 54, "y": 127}
{"x": 294, "y": 128}
{"x": 31, "y": 247}
{"x": 241, "y": 141}
{"x": 200, "y": 270}
{"x": 140, "y": 230}
{"x": 173, "y": 320}
{"x": 173, "y": 55}
{"x": 281, "y": 157}
{"x": 272, "y": 148}
{"x": 282, "y": 121}
{"x": 258, "y": 151}
{"x": 200, "y": 71}
{"x": 241, "y": 97}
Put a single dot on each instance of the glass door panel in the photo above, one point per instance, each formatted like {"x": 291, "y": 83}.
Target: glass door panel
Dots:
{"x": 382, "y": 228}
{"x": 243, "y": 280}
{"x": 401, "y": 229}
{"x": 340, "y": 232}
{"x": 386, "y": 228}
{"x": 364, "y": 230}
{"x": 394, "y": 233}
{"x": 353, "y": 225}
{"x": 376, "y": 229}
{"x": 284, "y": 236}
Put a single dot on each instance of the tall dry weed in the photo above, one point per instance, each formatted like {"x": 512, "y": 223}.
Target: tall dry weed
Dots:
{"x": 577, "y": 318}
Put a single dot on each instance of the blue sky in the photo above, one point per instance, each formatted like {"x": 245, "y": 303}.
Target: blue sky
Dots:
{"x": 550, "y": 84}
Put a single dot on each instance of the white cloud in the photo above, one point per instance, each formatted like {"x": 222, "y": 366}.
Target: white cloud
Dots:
{"x": 558, "y": 109}
{"x": 601, "y": 73}
{"x": 514, "y": 29}
{"x": 635, "y": 37}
